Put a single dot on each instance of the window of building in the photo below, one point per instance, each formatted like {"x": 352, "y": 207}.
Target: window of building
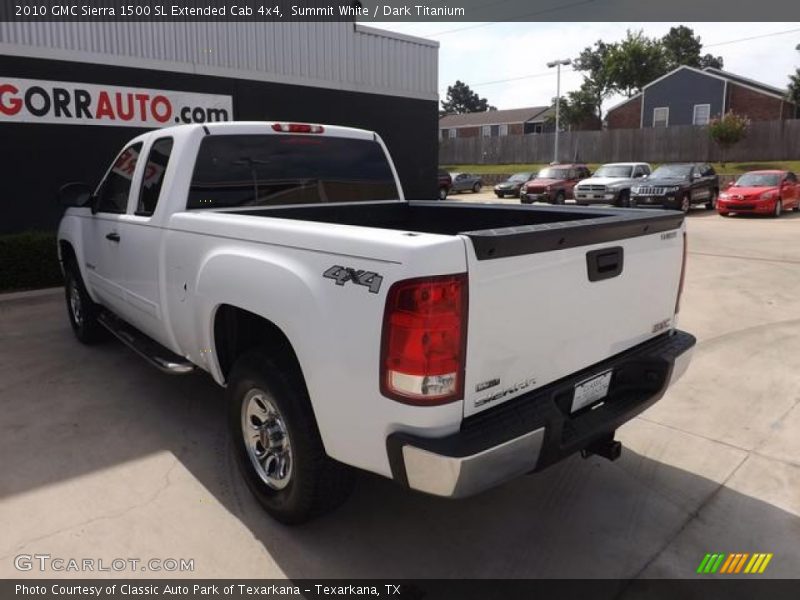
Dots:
{"x": 486, "y": 130}
{"x": 661, "y": 116}
{"x": 153, "y": 178}
{"x": 702, "y": 114}
{"x": 451, "y": 133}
{"x": 504, "y": 129}
{"x": 112, "y": 196}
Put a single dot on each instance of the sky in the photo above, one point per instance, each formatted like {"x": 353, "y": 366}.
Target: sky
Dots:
{"x": 482, "y": 53}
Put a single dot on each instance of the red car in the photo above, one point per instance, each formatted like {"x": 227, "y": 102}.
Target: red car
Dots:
{"x": 761, "y": 192}
{"x": 554, "y": 184}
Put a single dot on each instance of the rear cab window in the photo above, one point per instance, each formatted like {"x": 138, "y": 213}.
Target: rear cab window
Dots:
{"x": 283, "y": 169}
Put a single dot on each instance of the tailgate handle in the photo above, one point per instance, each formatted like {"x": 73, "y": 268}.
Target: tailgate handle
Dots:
{"x": 605, "y": 263}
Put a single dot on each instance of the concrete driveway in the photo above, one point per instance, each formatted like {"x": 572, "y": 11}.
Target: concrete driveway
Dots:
{"x": 105, "y": 458}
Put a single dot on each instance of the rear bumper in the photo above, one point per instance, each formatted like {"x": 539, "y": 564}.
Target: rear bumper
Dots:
{"x": 536, "y": 430}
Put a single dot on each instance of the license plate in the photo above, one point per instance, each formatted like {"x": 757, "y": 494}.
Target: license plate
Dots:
{"x": 591, "y": 390}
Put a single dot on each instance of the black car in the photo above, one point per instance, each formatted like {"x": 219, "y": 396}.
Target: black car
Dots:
{"x": 513, "y": 185}
{"x": 678, "y": 186}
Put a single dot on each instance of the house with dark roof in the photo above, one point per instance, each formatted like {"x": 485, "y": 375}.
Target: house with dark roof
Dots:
{"x": 494, "y": 123}
{"x": 690, "y": 96}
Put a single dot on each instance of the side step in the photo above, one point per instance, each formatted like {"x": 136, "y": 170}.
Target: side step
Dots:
{"x": 157, "y": 355}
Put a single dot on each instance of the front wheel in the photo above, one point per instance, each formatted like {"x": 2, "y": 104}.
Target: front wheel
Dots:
{"x": 499, "y": 195}
{"x": 277, "y": 444}
{"x": 624, "y": 199}
{"x": 560, "y": 198}
{"x": 686, "y": 203}
{"x": 476, "y": 188}
{"x": 82, "y": 311}
{"x": 442, "y": 193}
{"x": 778, "y": 211}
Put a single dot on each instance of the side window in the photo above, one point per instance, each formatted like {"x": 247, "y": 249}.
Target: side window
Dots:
{"x": 710, "y": 170}
{"x": 153, "y": 177}
{"x": 638, "y": 171}
{"x": 113, "y": 194}
{"x": 791, "y": 177}
{"x": 572, "y": 174}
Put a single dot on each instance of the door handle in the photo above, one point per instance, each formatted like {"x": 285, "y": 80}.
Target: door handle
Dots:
{"x": 113, "y": 236}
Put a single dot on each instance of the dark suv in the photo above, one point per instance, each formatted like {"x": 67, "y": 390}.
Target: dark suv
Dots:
{"x": 678, "y": 186}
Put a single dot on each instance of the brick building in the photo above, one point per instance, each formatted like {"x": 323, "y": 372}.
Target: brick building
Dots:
{"x": 494, "y": 123}
{"x": 689, "y": 96}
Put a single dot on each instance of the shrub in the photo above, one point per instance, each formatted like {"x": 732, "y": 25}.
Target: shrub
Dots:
{"x": 727, "y": 131}
{"x": 28, "y": 261}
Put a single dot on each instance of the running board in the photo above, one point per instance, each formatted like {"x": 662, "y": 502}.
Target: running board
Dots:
{"x": 157, "y": 355}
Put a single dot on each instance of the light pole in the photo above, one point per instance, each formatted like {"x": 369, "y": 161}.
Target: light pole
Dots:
{"x": 557, "y": 64}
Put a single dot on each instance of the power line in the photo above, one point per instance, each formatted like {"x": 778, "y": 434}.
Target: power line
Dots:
{"x": 755, "y": 37}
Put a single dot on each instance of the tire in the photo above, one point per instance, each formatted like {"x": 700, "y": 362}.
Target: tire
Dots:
{"x": 560, "y": 197}
{"x": 778, "y": 209}
{"x": 724, "y": 214}
{"x": 500, "y": 195}
{"x": 686, "y": 204}
{"x": 624, "y": 199}
{"x": 632, "y": 202}
{"x": 81, "y": 309}
{"x": 442, "y": 193}
{"x": 476, "y": 188}
{"x": 288, "y": 472}
{"x": 712, "y": 201}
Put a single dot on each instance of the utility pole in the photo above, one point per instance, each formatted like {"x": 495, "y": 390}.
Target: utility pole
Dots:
{"x": 557, "y": 64}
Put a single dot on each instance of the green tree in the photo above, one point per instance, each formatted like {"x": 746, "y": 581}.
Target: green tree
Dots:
{"x": 461, "y": 99}
{"x": 593, "y": 63}
{"x": 727, "y": 131}
{"x": 793, "y": 90}
{"x": 576, "y": 109}
{"x": 634, "y": 62}
{"x": 682, "y": 47}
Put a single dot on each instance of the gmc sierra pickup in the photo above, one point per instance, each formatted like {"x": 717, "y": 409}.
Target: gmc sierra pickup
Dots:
{"x": 447, "y": 346}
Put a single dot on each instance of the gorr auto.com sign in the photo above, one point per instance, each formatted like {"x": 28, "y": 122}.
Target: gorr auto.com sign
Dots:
{"x": 64, "y": 103}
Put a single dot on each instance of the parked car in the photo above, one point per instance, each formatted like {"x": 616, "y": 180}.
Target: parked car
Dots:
{"x": 513, "y": 185}
{"x": 465, "y": 182}
{"x": 445, "y": 183}
{"x": 554, "y": 184}
{"x": 610, "y": 184}
{"x": 678, "y": 186}
{"x": 761, "y": 192}
{"x": 341, "y": 340}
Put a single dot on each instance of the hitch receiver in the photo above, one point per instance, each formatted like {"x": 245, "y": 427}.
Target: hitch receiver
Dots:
{"x": 607, "y": 447}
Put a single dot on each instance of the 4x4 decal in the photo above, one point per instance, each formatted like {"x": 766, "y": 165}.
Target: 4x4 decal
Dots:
{"x": 342, "y": 275}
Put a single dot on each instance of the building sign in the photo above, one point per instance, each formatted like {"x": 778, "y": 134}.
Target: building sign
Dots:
{"x": 64, "y": 103}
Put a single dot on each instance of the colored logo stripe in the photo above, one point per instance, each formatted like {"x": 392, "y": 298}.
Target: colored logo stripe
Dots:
{"x": 734, "y": 562}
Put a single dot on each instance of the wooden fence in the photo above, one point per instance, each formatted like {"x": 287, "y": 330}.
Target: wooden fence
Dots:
{"x": 766, "y": 140}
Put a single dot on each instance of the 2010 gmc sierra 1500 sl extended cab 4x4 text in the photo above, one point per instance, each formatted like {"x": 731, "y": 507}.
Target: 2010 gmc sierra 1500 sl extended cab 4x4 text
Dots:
{"x": 447, "y": 346}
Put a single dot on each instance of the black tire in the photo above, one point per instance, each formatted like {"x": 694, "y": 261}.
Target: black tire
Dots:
{"x": 476, "y": 188}
{"x": 686, "y": 204}
{"x": 712, "y": 202}
{"x": 442, "y": 193}
{"x": 776, "y": 214}
{"x": 560, "y": 197}
{"x": 315, "y": 484}
{"x": 499, "y": 195}
{"x": 82, "y": 311}
{"x": 624, "y": 199}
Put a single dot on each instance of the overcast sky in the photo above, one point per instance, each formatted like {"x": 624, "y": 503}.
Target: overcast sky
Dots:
{"x": 479, "y": 54}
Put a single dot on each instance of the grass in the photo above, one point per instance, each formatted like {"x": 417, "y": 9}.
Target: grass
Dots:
{"x": 728, "y": 169}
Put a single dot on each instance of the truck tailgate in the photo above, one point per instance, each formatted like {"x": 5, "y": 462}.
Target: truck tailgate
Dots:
{"x": 544, "y": 303}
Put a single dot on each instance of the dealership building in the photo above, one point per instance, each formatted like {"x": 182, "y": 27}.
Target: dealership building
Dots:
{"x": 72, "y": 94}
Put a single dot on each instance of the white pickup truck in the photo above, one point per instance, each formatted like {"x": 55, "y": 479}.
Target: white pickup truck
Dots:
{"x": 447, "y": 346}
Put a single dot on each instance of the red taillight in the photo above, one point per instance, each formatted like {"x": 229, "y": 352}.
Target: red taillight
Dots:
{"x": 683, "y": 276}
{"x": 424, "y": 340}
{"x": 297, "y": 128}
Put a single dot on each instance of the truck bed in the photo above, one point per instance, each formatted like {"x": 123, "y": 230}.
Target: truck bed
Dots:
{"x": 496, "y": 230}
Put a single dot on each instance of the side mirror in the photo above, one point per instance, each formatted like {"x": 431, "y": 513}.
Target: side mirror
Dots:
{"x": 74, "y": 194}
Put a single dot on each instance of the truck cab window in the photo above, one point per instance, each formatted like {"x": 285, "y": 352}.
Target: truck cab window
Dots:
{"x": 153, "y": 177}
{"x": 112, "y": 196}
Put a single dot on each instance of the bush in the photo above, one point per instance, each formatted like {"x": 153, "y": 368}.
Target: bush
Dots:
{"x": 28, "y": 261}
{"x": 727, "y": 131}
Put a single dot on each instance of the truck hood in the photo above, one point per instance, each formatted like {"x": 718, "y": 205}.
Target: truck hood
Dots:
{"x": 650, "y": 181}
{"x": 543, "y": 182}
{"x": 608, "y": 181}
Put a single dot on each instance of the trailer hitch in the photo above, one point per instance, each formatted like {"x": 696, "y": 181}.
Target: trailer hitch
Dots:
{"x": 606, "y": 446}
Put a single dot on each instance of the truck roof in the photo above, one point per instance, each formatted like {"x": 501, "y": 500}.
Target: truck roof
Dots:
{"x": 256, "y": 127}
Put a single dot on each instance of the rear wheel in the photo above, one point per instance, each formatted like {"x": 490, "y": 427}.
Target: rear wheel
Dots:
{"x": 81, "y": 309}
{"x": 476, "y": 188}
{"x": 277, "y": 443}
{"x": 778, "y": 210}
{"x": 712, "y": 200}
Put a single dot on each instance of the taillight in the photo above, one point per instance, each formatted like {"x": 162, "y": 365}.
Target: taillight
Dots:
{"x": 424, "y": 340}
{"x": 297, "y": 128}
{"x": 683, "y": 276}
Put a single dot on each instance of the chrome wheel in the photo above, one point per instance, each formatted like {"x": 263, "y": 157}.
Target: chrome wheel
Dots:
{"x": 266, "y": 439}
{"x": 75, "y": 302}
{"x": 685, "y": 204}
